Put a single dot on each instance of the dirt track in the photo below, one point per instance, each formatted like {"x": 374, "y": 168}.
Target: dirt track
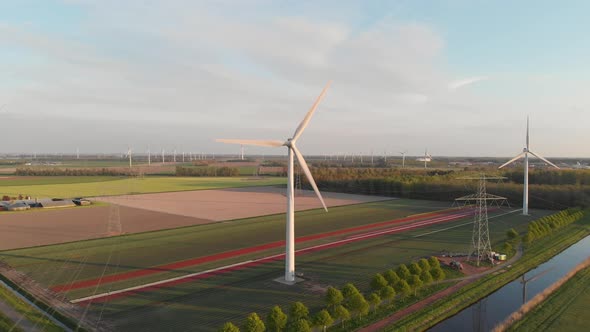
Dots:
{"x": 226, "y": 204}
{"x": 18, "y": 230}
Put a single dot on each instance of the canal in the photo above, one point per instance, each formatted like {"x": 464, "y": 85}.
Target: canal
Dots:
{"x": 493, "y": 309}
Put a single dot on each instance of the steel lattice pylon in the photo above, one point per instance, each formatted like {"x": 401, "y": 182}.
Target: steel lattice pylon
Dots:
{"x": 481, "y": 247}
{"x": 481, "y": 233}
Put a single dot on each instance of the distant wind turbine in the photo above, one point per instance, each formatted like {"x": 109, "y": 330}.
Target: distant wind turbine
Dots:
{"x": 290, "y": 143}
{"x": 525, "y": 154}
{"x": 403, "y": 153}
{"x": 129, "y": 156}
{"x": 426, "y": 159}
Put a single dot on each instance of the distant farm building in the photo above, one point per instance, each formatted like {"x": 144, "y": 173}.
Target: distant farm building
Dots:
{"x": 54, "y": 204}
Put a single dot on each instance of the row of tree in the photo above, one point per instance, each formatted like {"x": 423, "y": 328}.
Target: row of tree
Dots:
{"x": 207, "y": 171}
{"x": 406, "y": 279}
{"x": 546, "y": 225}
{"x": 342, "y": 304}
{"x": 541, "y": 177}
{"x": 444, "y": 189}
{"x": 56, "y": 171}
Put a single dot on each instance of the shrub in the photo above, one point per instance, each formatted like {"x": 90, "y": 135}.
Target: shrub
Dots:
{"x": 378, "y": 282}
{"x": 391, "y": 277}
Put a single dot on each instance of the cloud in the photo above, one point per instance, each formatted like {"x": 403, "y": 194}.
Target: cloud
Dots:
{"x": 169, "y": 71}
{"x": 454, "y": 85}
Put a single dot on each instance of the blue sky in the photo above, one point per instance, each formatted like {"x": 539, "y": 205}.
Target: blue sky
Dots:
{"x": 458, "y": 77}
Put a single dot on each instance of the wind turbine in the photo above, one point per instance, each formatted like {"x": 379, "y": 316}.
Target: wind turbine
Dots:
{"x": 129, "y": 155}
{"x": 403, "y": 153}
{"x": 525, "y": 154}
{"x": 290, "y": 143}
{"x": 426, "y": 159}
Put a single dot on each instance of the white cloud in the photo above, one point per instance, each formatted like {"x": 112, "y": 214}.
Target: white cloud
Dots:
{"x": 454, "y": 85}
{"x": 188, "y": 69}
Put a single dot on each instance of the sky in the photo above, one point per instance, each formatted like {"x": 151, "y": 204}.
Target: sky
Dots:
{"x": 455, "y": 77}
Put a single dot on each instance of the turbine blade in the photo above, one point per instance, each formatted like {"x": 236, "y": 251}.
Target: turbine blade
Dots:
{"x": 309, "y": 114}
{"x": 545, "y": 160}
{"x": 303, "y": 165}
{"x": 252, "y": 142}
{"x": 527, "y": 132}
{"x": 513, "y": 159}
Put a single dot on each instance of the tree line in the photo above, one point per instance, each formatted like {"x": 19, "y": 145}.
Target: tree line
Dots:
{"x": 50, "y": 171}
{"x": 207, "y": 171}
{"x": 347, "y": 302}
{"x": 545, "y": 226}
{"x": 553, "y": 190}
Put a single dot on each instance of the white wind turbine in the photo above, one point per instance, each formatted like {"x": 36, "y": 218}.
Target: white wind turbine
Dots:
{"x": 403, "y": 153}
{"x": 525, "y": 154}
{"x": 129, "y": 156}
{"x": 292, "y": 150}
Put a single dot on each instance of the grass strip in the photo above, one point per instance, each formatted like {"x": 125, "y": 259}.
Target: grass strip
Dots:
{"x": 563, "y": 310}
{"x": 28, "y": 311}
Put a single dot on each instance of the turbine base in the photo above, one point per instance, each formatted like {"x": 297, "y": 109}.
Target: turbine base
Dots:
{"x": 283, "y": 281}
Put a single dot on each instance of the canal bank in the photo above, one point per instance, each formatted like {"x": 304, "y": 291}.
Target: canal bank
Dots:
{"x": 537, "y": 253}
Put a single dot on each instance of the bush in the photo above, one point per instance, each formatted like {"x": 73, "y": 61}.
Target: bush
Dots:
{"x": 426, "y": 277}
{"x": 378, "y": 282}
{"x": 438, "y": 274}
{"x": 415, "y": 269}
{"x": 402, "y": 287}
{"x": 424, "y": 265}
{"x": 254, "y": 324}
{"x": 434, "y": 263}
{"x": 391, "y": 277}
{"x": 403, "y": 272}
{"x": 229, "y": 327}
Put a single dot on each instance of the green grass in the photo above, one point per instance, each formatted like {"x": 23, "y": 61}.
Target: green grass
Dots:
{"x": 103, "y": 186}
{"x": 30, "y": 313}
{"x": 7, "y": 325}
{"x": 565, "y": 310}
{"x": 45, "y": 180}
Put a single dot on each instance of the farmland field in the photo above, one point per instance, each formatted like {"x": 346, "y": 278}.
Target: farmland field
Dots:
{"x": 102, "y": 186}
{"x": 565, "y": 310}
{"x": 204, "y": 304}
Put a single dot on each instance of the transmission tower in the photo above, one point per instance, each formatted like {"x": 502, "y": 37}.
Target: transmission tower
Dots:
{"x": 114, "y": 226}
{"x": 481, "y": 247}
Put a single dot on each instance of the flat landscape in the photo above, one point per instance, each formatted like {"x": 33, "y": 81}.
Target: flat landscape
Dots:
{"x": 352, "y": 243}
{"x": 89, "y": 186}
{"x": 232, "y": 203}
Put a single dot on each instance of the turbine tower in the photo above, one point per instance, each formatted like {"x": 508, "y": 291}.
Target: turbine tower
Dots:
{"x": 403, "y": 153}
{"x": 290, "y": 143}
{"x": 149, "y": 152}
{"x": 163, "y": 160}
{"x": 129, "y": 155}
{"x": 525, "y": 154}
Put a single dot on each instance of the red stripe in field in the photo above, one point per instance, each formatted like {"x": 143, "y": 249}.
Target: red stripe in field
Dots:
{"x": 229, "y": 254}
{"x": 449, "y": 217}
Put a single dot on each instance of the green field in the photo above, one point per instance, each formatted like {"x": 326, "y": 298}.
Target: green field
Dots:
{"x": 89, "y": 186}
{"x": 566, "y": 310}
{"x": 30, "y": 313}
{"x": 206, "y": 304}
